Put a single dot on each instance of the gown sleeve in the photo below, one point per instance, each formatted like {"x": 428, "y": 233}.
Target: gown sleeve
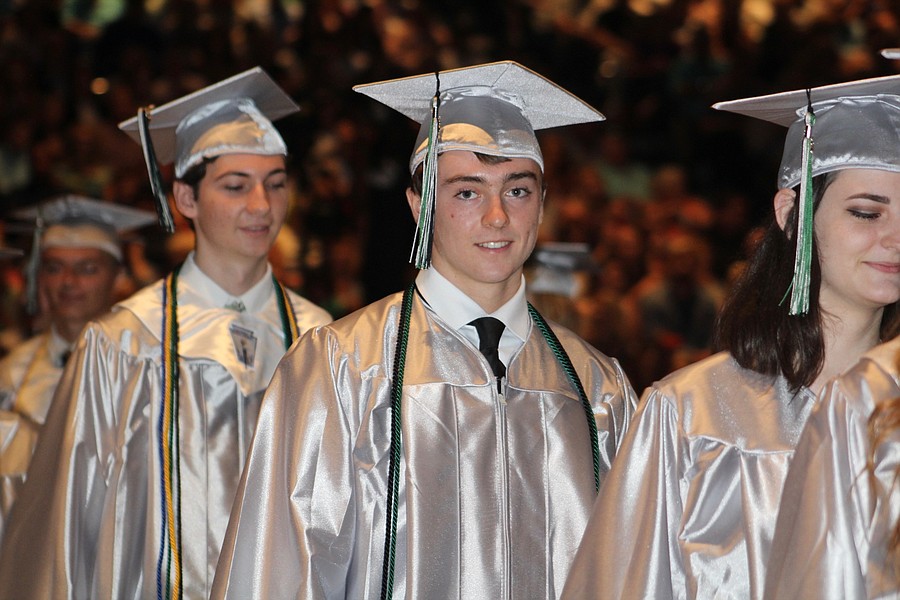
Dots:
{"x": 626, "y": 551}
{"x": 52, "y": 534}
{"x": 834, "y": 520}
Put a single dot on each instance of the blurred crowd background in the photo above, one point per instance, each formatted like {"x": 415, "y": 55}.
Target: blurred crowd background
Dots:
{"x": 662, "y": 201}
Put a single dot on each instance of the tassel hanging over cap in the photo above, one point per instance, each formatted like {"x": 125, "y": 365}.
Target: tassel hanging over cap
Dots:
{"x": 803, "y": 257}
{"x": 156, "y": 182}
{"x": 421, "y": 250}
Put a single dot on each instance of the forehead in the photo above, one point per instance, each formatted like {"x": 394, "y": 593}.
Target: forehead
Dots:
{"x": 456, "y": 163}
{"x": 246, "y": 163}
{"x": 74, "y": 255}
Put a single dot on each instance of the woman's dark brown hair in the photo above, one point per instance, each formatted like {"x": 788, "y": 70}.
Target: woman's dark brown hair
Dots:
{"x": 754, "y": 324}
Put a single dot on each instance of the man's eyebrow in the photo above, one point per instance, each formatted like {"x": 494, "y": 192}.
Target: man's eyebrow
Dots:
{"x": 479, "y": 179}
{"x": 522, "y": 175}
{"x": 465, "y": 179}
{"x": 239, "y": 173}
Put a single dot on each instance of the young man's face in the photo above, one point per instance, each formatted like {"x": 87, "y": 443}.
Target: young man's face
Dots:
{"x": 241, "y": 204}
{"x": 485, "y": 223}
{"x": 76, "y": 285}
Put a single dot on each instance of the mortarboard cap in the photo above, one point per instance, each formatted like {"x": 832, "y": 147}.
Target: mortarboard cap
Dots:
{"x": 72, "y": 221}
{"x": 491, "y": 109}
{"x": 857, "y": 125}
{"x": 233, "y": 116}
{"x": 852, "y": 125}
{"x": 556, "y": 268}
{"x": 77, "y": 222}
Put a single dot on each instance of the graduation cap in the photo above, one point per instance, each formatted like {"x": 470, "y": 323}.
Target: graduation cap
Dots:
{"x": 841, "y": 126}
{"x": 556, "y": 268}
{"x": 233, "y": 116}
{"x": 491, "y": 109}
{"x": 72, "y": 221}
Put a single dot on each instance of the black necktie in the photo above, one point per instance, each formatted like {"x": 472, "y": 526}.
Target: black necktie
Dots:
{"x": 489, "y": 332}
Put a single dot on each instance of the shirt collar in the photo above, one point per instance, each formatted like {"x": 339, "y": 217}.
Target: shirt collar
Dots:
{"x": 57, "y": 345}
{"x": 458, "y": 310}
{"x": 211, "y": 293}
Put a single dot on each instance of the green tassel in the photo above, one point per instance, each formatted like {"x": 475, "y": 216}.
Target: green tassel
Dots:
{"x": 421, "y": 250}
{"x": 803, "y": 257}
{"x": 156, "y": 183}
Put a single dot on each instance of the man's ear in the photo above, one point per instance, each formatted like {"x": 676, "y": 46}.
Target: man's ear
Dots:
{"x": 543, "y": 199}
{"x": 415, "y": 203}
{"x": 784, "y": 202}
{"x": 185, "y": 201}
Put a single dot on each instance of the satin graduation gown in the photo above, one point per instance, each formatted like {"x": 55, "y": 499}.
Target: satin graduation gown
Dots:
{"x": 835, "y": 521}
{"x": 689, "y": 508}
{"x": 28, "y": 378}
{"x": 494, "y": 491}
{"x": 87, "y": 524}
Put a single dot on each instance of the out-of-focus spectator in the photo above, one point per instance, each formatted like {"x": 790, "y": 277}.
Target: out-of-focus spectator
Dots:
{"x": 72, "y": 70}
{"x": 677, "y": 314}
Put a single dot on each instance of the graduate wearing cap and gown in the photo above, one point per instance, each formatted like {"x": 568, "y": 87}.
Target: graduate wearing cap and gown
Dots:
{"x": 841, "y": 505}
{"x": 392, "y": 456}
{"x": 133, "y": 478}
{"x": 689, "y": 508}
{"x": 77, "y": 259}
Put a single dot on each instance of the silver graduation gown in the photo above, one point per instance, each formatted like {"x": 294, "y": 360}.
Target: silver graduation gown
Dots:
{"x": 689, "y": 508}
{"x": 494, "y": 492}
{"x": 87, "y": 524}
{"x": 28, "y": 377}
{"x": 835, "y": 522}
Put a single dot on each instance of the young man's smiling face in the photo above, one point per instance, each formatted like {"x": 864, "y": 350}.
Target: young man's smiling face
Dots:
{"x": 485, "y": 223}
{"x": 242, "y": 204}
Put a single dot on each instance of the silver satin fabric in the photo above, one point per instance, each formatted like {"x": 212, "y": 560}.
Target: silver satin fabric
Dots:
{"x": 87, "y": 522}
{"x": 232, "y": 126}
{"x": 835, "y": 523}
{"x": 28, "y": 377}
{"x": 484, "y": 119}
{"x": 689, "y": 507}
{"x": 493, "y": 496}
{"x": 855, "y": 132}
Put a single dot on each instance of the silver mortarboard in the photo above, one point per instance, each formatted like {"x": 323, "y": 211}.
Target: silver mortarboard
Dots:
{"x": 556, "y": 267}
{"x": 491, "y": 109}
{"x": 73, "y": 221}
{"x": 852, "y": 125}
{"x": 857, "y": 125}
{"x": 233, "y": 116}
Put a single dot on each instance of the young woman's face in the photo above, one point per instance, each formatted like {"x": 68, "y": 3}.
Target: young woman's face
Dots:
{"x": 858, "y": 235}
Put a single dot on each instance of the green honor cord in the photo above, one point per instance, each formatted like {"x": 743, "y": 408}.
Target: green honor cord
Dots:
{"x": 390, "y": 537}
